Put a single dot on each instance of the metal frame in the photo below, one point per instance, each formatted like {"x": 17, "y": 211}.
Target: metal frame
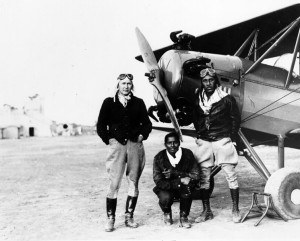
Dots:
{"x": 296, "y": 49}
{"x": 253, "y": 158}
{"x": 259, "y": 209}
{"x": 287, "y": 32}
{"x": 241, "y": 49}
{"x": 253, "y": 45}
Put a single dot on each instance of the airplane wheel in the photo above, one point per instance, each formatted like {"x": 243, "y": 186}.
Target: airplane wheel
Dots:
{"x": 282, "y": 185}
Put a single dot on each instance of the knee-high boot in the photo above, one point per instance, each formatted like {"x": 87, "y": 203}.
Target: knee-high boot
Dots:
{"x": 165, "y": 203}
{"x": 129, "y": 210}
{"x": 185, "y": 207}
{"x": 206, "y": 213}
{"x": 236, "y": 216}
{"x": 111, "y": 205}
{"x": 166, "y": 208}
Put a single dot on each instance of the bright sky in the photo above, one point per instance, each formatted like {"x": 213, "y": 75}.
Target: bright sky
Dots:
{"x": 71, "y": 51}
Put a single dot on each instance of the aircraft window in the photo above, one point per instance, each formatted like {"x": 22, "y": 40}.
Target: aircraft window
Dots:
{"x": 284, "y": 61}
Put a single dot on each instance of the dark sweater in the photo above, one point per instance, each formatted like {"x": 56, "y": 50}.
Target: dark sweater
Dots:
{"x": 123, "y": 123}
{"x": 187, "y": 167}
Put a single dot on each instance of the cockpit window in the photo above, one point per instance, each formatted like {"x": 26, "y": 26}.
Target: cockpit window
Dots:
{"x": 284, "y": 62}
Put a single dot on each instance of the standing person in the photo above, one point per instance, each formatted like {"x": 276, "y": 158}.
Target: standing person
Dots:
{"x": 175, "y": 171}
{"x": 123, "y": 124}
{"x": 217, "y": 121}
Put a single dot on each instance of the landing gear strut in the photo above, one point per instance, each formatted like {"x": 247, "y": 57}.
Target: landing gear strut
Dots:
{"x": 281, "y": 184}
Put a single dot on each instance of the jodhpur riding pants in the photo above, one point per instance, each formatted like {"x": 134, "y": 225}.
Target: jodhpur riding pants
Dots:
{"x": 120, "y": 157}
{"x": 221, "y": 152}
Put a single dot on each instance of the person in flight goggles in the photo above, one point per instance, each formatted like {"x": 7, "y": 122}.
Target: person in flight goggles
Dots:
{"x": 217, "y": 121}
{"x": 123, "y": 124}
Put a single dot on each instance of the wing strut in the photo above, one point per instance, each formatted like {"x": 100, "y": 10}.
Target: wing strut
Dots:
{"x": 254, "y": 159}
{"x": 253, "y": 45}
{"x": 296, "y": 49}
{"x": 241, "y": 49}
{"x": 256, "y": 63}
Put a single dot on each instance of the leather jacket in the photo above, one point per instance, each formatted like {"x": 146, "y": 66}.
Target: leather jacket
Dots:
{"x": 222, "y": 121}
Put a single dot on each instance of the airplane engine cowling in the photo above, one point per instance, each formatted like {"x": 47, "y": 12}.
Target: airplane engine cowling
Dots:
{"x": 181, "y": 84}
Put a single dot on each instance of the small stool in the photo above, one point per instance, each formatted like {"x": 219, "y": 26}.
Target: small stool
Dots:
{"x": 259, "y": 208}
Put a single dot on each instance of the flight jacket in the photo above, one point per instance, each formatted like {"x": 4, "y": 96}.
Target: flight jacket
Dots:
{"x": 187, "y": 167}
{"x": 123, "y": 123}
{"x": 222, "y": 121}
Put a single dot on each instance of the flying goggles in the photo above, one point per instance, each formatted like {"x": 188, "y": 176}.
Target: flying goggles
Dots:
{"x": 207, "y": 71}
{"x": 123, "y": 76}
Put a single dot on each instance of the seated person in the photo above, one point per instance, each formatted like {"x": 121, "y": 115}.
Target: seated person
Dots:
{"x": 175, "y": 172}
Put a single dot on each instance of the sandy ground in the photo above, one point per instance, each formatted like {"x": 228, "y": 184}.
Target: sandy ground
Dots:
{"x": 55, "y": 188}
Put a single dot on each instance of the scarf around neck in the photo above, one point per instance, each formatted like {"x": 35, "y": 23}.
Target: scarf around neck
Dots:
{"x": 124, "y": 99}
{"x": 178, "y": 155}
{"x": 206, "y": 104}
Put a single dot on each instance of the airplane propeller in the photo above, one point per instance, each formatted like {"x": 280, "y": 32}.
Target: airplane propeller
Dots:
{"x": 152, "y": 66}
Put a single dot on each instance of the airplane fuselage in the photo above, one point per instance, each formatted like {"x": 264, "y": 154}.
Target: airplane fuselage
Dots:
{"x": 265, "y": 104}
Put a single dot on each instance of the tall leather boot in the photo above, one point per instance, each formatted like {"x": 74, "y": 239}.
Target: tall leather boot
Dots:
{"x": 168, "y": 218}
{"x": 130, "y": 206}
{"x": 206, "y": 213}
{"x": 167, "y": 210}
{"x": 236, "y": 216}
{"x": 111, "y": 205}
{"x": 185, "y": 207}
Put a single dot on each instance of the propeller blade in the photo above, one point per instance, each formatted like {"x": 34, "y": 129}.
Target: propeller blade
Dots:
{"x": 146, "y": 51}
{"x": 152, "y": 66}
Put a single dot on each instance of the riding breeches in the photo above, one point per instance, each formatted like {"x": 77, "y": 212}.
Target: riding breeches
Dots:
{"x": 131, "y": 157}
{"x": 221, "y": 152}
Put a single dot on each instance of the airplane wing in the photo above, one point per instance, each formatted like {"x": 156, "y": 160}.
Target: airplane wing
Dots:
{"x": 228, "y": 40}
{"x": 168, "y": 127}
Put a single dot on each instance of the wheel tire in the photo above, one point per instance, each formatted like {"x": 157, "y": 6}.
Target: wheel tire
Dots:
{"x": 280, "y": 185}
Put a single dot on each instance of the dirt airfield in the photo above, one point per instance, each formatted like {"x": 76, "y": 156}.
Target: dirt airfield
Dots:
{"x": 55, "y": 189}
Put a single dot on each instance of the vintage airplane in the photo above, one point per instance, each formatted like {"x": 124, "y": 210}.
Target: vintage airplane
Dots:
{"x": 268, "y": 96}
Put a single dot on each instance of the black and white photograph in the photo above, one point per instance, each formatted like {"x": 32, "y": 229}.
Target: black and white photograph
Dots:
{"x": 150, "y": 120}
